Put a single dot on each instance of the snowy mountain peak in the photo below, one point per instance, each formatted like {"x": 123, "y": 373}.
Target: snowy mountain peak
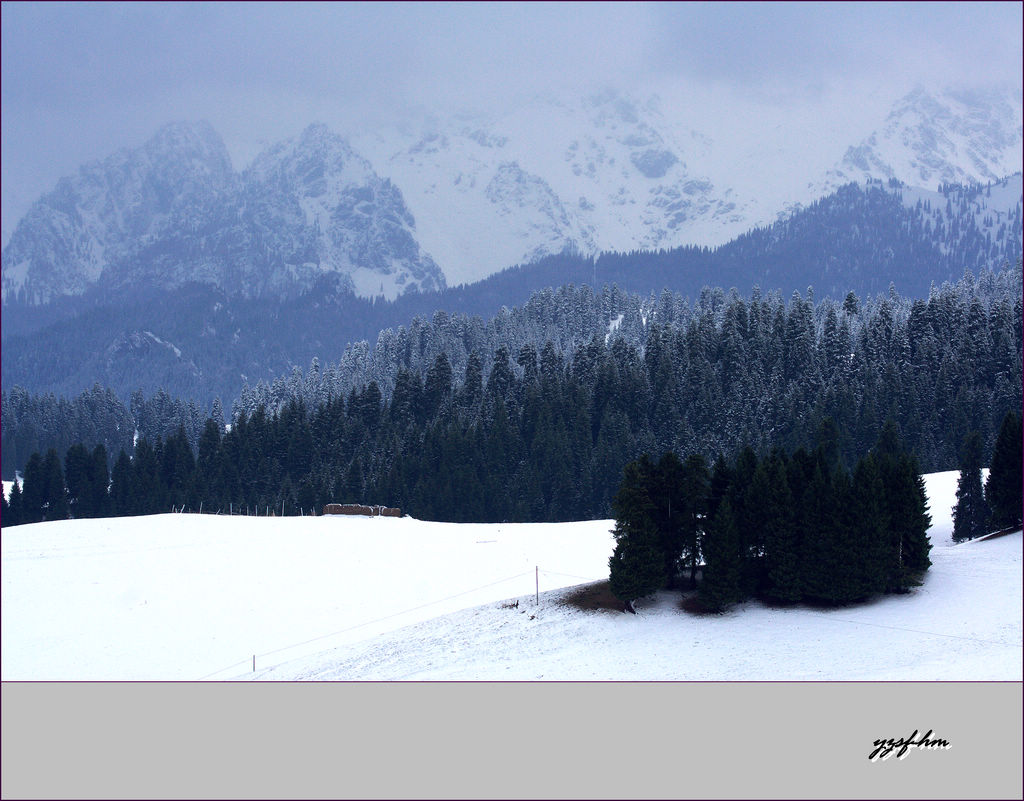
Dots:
{"x": 931, "y": 138}
{"x": 196, "y": 142}
{"x": 111, "y": 209}
{"x": 337, "y": 216}
{"x": 478, "y": 192}
{"x": 172, "y": 211}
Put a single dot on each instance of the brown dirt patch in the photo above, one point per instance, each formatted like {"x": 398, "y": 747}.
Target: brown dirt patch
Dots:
{"x": 596, "y": 597}
{"x": 692, "y": 604}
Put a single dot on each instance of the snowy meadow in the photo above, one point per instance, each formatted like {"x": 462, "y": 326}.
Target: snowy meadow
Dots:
{"x": 204, "y": 597}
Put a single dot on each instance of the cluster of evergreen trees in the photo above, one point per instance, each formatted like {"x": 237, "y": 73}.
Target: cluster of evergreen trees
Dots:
{"x": 155, "y": 479}
{"x": 50, "y": 491}
{"x": 783, "y": 528}
{"x": 38, "y": 423}
{"x": 978, "y": 511}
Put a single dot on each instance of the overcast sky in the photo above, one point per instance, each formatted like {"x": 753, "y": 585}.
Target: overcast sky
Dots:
{"x": 80, "y": 80}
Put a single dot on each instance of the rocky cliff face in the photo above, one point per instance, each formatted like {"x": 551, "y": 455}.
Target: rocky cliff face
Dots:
{"x": 112, "y": 211}
{"x": 174, "y": 212}
{"x": 931, "y": 138}
{"x": 385, "y": 211}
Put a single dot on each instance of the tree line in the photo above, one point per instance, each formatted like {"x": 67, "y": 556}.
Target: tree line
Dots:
{"x": 448, "y": 431}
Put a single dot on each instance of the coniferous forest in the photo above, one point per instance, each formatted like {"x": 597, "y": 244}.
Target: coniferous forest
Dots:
{"x": 533, "y": 415}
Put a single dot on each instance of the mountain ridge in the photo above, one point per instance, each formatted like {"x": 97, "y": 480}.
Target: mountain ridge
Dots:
{"x": 173, "y": 211}
{"x": 199, "y": 342}
{"x": 453, "y": 200}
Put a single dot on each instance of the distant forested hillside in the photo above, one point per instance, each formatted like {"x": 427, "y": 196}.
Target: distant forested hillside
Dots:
{"x": 533, "y": 414}
{"x": 198, "y": 343}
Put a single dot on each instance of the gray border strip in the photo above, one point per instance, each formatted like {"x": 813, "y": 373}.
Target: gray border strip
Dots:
{"x": 515, "y": 740}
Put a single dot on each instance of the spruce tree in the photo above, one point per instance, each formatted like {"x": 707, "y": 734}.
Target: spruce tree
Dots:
{"x": 637, "y": 565}
{"x": 1003, "y": 489}
{"x": 870, "y": 532}
{"x": 916, "y": 543}
{"x": 472, "y": 384}
{"x": 847, "y": 554}
{"x": 721, "y": 583}
{"x": 971, "y": 514}
{"x": 56, "y": 496}
{"x": 147, "y": 494}
{"x": 121, "y": 499}
{"x": 747, "y": 513}
{"x": 667, "y": 487}
{"x": 99, "y": 482}
{"x": 782, "y": 539}
{"x": 206, "y": 478}
{"x": 77, "y": 476}
{"x": 905, "y": 542}
{"x": 15, "y": 507}
{"x": 819, "y": 557}
{"x": 33, "y": 489}
{"x": 694, "y": 497}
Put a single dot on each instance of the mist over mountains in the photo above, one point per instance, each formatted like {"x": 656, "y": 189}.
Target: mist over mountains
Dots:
{"x": 173, "y": 212}
{"x": 164, "y": 267}
{"x": 450, "y": 201}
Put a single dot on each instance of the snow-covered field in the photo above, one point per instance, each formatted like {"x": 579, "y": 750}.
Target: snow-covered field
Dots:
{"x": 188, "y": 597}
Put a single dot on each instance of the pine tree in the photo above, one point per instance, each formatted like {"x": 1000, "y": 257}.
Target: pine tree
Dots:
{"x": 637, "y": 565}
{"x": 971, "y": 514}
{"x": 55, "y": 500}
{"x": 870, "y": 532}
{"x": 99, "y": 482}
{"x": 721, "y": 583}
{"x": 121, "y": 501}
{"x": 33, "y": 489}
{"x": 694, "y": 497}
{"x": 77, "y": 476}
{"x": 819, "y": 557}
{"x": 15, "y": 507}
{"x": 782, "y": 539}
{"x": 1003, "y": 489}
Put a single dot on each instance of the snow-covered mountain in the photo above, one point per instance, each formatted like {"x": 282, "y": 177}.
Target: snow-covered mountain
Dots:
{"x": 454, "y": 199}
{"x": 314, "y": 197}
{"x": 600, "y": 173}
{"x": 610, "y": 172}
{"x": 111, "y": 211}
{"x": 929, "y": 139}
{"x": 174, "y": 212}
